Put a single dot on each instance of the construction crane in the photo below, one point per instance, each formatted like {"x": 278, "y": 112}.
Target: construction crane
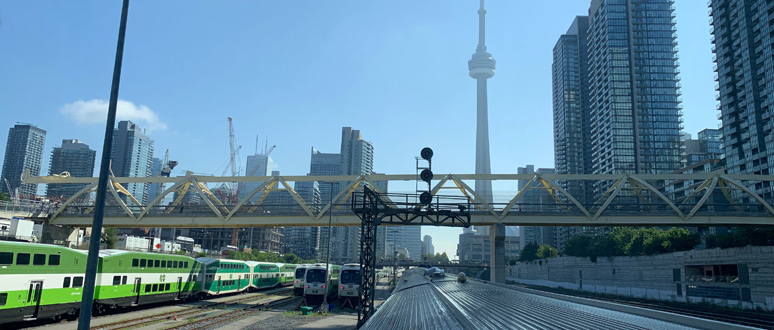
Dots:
{"x": 233, "y": 151}
{"x": 166, "y": 170}
{"x": 233, "y": 191}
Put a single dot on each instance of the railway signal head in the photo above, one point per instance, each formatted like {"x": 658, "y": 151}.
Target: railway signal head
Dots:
{"x": 426, "y": 175}
{"x": 426, "y": 153}
{"x": 426, "y": 198}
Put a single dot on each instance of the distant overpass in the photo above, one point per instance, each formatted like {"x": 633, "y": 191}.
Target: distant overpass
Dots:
{"x": 642, "y": 199}
{"x": 388, "y": 263}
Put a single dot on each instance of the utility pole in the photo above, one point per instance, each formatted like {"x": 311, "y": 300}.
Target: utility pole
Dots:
{"x": 87, "y": 300}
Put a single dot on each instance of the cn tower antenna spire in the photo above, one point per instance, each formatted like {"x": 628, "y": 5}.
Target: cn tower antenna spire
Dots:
{"x": 481, "y": 28}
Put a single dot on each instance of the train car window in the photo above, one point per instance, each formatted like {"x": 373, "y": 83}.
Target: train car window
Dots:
{"x": 186, "y": 265}
{"x": 123, "y": 280}
{"x": 39, "y": 260}
{"x": 142, "y": 262}
{"x": 23, "y": 259}
{"x": 3, "y": 298}
{"x": 147, "y": 288}
{"x": 150, "y": 263}
{"x": 77, "y": 281}
{"x": 53, "y": 259}
{"x": 174, "y": 264}
{"x": 66, "y": 283}
{"x": 155, "y": 288}
{"x": 117, "y": 280}
{"x": 194, "y": 277}
{"x": 157, "y": 263}
{"x": 135, "y": 263}
{"x": 166, "y": 287}
{"x": 6, "y": 258}
{"x": 163, "y": 264}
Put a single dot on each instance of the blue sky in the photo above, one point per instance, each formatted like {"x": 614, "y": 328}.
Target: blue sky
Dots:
{"x": 297, "y": 71}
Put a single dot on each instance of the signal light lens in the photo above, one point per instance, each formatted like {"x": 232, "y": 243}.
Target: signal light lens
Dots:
{"x": 426, "y": 198}
{"x": 426, "y": 153}
{"x": 307, "y": 286}
{"x": 323, "y": 286}
{"x": 426, "y": 175}
{"x": 342, "y": 288}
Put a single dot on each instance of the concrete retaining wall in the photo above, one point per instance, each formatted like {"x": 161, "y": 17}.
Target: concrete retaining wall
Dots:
{"x": 652, "y": 277}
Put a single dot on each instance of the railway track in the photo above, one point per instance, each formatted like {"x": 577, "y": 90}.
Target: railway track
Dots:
{"x": 152, "y": 319}
{"x": 735, "y": 317}
{"x": 739, "y": 317}
{"x": 228, "y": 317}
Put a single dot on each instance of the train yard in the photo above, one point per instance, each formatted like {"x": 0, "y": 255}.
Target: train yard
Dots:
{"x": 206, "y": 314}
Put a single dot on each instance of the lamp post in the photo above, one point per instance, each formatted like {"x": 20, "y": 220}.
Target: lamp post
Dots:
{"x": 87, "y": 298}
{"x": 324, "y": 307}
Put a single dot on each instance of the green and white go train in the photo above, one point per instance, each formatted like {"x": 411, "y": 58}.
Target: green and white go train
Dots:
{"x": 40, "y": 281}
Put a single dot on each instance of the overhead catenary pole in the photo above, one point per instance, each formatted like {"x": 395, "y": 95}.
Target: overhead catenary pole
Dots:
{"x": 324, "y": 306}
{"x": 84, "y": 319}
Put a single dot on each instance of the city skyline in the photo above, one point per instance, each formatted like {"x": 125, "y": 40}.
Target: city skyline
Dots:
{"x": 453, "y": 31}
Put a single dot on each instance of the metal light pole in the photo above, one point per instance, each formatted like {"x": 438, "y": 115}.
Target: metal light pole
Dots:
{"x": 324, "y": 306}
{"x": 84, "y": 319}
{"x": 394, "y": 261}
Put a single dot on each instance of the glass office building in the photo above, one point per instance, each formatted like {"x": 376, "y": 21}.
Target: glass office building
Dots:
{"x": 633, "y": 87}
{"x": 744, "y": 53}
{"x": 572, "y": 129}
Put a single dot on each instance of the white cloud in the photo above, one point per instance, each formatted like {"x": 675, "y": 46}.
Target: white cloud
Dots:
{"x": 95, "y": 111}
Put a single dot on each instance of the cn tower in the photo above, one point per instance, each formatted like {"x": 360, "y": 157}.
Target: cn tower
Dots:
{"x": 482, "y": 67}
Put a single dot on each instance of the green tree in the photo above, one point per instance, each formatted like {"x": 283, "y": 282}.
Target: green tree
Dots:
{"x": 682, "y": 239}
{"x": 291, "y": 258}
{"x": 110, "y": 237}
{"x": 402, "y": 256}
{"x": 5, "y": 197}
{"x": 529, "y": 252}
{"x": 545, "y": 251}
{"x": 201, "y": 254}
{"x": 578, "y": 246}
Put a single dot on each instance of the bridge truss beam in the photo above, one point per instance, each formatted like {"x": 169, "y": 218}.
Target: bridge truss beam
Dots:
{"x": 642, "y": 199}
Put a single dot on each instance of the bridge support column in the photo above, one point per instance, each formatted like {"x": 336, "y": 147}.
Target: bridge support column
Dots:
{"x": 497, "y": 253}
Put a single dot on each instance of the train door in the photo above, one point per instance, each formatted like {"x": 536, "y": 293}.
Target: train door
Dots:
{"x": 33, "y": 300}
{"x": 179, "y": 287}
{"x": 218, "y": 284}
{"x": 136, "y": 290}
